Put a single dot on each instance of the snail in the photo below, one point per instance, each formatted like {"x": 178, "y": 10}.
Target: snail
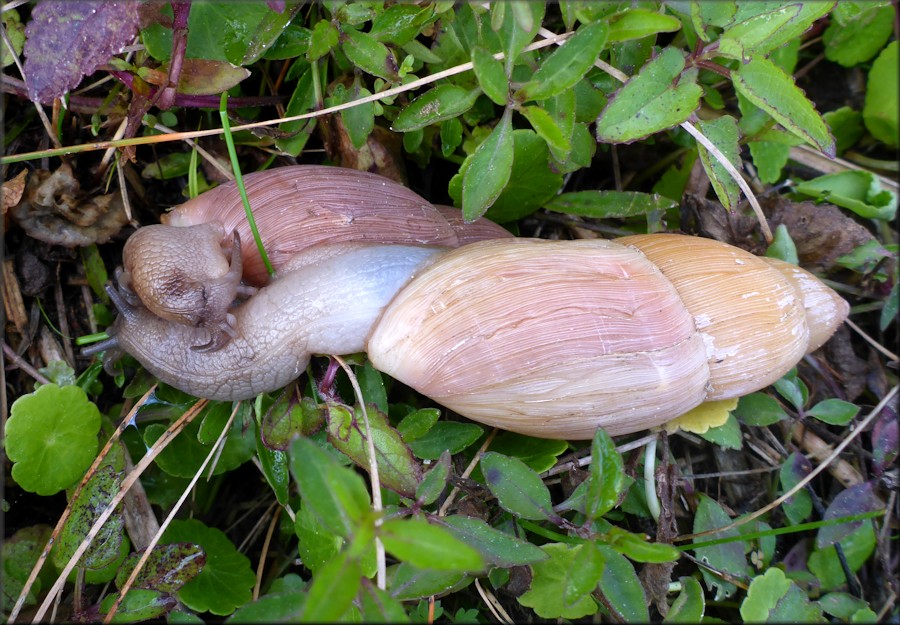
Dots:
{"x": 545, "y": 338}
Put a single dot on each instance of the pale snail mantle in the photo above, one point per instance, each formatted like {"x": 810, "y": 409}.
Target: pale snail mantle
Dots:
{"x": 545, "y": 338}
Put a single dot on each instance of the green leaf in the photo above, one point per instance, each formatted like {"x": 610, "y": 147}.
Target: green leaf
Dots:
{"x": 226, "y": 579}
{"x": 282, "y": 604}
{"x": 782, "y": 246}
{"x": 608, "y": 204}
{"x": 335, "y": 494}
{"x": 318, "y": 543}
{"x": 433, "y": 106}
{"x": 51, "y": 436}
{"x": 711, "y": 14}
{"x": 445, "y": 436}
{"x": 798, "y": 508}
{"x": 547, "y": 128}
{"x": 639, "y": 549}
{"x": 332, "y": 590}
{"x": 167, "y": 569}
{"x": 302, "y": 101}
{"x": 360, "y": 119}
{"x": 138, "y": 605}
{"x": 397, "y": 468}
{"x": 880, "y": 110}
{"x": 274, "y": 464}
{"x": 401, "y": 23}
{"x": 846, "y": 125}
{"x": 607, "y": 479}
{"x": 856, "y": 499}
{"x": 689, "y": 605}
{"x": 621, "y": 587}
{"x": 489, "y": 170}
{"x": 727, "y": 435}
{"x": 325, "y": 36}
{"x": 842, "y": 605}
{"x": 636, "y": 23}
{"x": 834, "y": 411}
{"x": 856, "y": 190}
{"x": 769, "y": 159}
{"x": 768, "y": 87}
{"x": 853, "y": 40}
{"x": 518, "y": 489}
{"x": 434, "y": 481}
{"x": 662, "y": 95}
{"x": 772, "y": 598}
{"x": 857, "y": 546}
{"x": 538, "y": 453}
{"x": 723, "y": 133}
{"x": 409, "y": 582}
{"x": 370, "y": 55}
{"x": 491, "y": 76}
{"x": 561, "y": 584}
{"x": 496, "y": 547}
{"x": 428, "y": 546}
{"x": 19, "y": 555}
{"x": 567, "y": 64}
{"x": 762, "y": 33}
{"x": 377, "y": 606}
{"x": 728, "y": 557}
{"x": 759, "y": 409}
{"x": 416, "y": 424}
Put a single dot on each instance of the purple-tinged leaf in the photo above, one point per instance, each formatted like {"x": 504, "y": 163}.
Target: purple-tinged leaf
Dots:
{"x": 885, "y": 440}
{"x": 69, "y": 40}
{"x": 855, "y": 500}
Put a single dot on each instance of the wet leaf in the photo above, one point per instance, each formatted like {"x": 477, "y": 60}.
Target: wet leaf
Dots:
{"x": 324, "y": 37}
{"x": 226, "y": 579}
{"x": 69, "y": 40}
{"x": 433, "y": 106}
{"x": 51, "y": 436}
{"x": 762, "y": 33}
{"x": 768, "y": 87}
{"x": 662, "y": 95}
{"x": 608, "y": 204}
{"x": 635, "y": 23}
{"x": 138, "y": 605}
{"x": 434, "y": 481}
{"x": 517, "y": 488}
{"x": 689, "y": 605}
{"x": 798, "y": 507}
{"x": 491, "y": 76}
{"x": 489, "y": 170}
{"x": 723, "y": 133}
{"x": 370, "y": 55}
{"x": 401, "y": 23}
{"x": 167, "y": 569}
{"x": 318, "y": 543}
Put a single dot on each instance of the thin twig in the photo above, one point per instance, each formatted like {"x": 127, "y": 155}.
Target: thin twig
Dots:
{"x": 475, "y": 459}
{"x": 22, "y": 364}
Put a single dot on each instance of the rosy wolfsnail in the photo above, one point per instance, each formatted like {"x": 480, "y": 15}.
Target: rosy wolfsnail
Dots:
{"x": 546, "y": 338}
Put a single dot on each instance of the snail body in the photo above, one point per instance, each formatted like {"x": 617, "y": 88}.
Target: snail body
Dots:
{"x": 546, "y": 338}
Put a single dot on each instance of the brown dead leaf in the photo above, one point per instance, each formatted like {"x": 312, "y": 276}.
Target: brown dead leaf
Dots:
{"x": 54, "y": 210}
{"x": 380, "y": 155}
{"x": 12, "y": 190}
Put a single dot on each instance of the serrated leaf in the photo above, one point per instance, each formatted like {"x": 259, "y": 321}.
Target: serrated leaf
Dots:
{"x": 336, "y": 495}
{"x": 561, "y": 585}
{"x": 727, "y": 435}
{"x": 226, "y": 579}
{"x": 518, "y": 488}
{"x": 491, "y": 76}
{"x": 717, "y": 14}
{"x": 764, "y": 32}
{"x": 723, "y": 133}
{"x": 433, "y": 106}
{"x": 880, "y": 110}
{"x": 699, "y": 420}
{"x": 567, "y": 65}
{"x": 428, "y": 546}
{"x": 370, "y": 55}
{"x": 763, "y": 594}
{"x": 636, "y": 23}
{"x": 662, "y": 95}
{"x": 768, "y": 87}
{"x": 397, "y": 468}
{"x": 496, "y": 547}
{"x": 608, "y": 204}
{"x": 489, "y": 170}
{"x": 856, "y": 190}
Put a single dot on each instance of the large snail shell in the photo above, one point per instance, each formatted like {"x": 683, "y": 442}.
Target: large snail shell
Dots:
{"x": 301, "y": 206}
{"x": 554, "y": 339}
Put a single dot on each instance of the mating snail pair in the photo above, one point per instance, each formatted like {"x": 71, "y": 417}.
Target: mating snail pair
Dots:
{"x": 545, "y": 338}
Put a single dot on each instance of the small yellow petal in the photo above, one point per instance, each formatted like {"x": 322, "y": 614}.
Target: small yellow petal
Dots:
{"x": 707, "y": 415}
